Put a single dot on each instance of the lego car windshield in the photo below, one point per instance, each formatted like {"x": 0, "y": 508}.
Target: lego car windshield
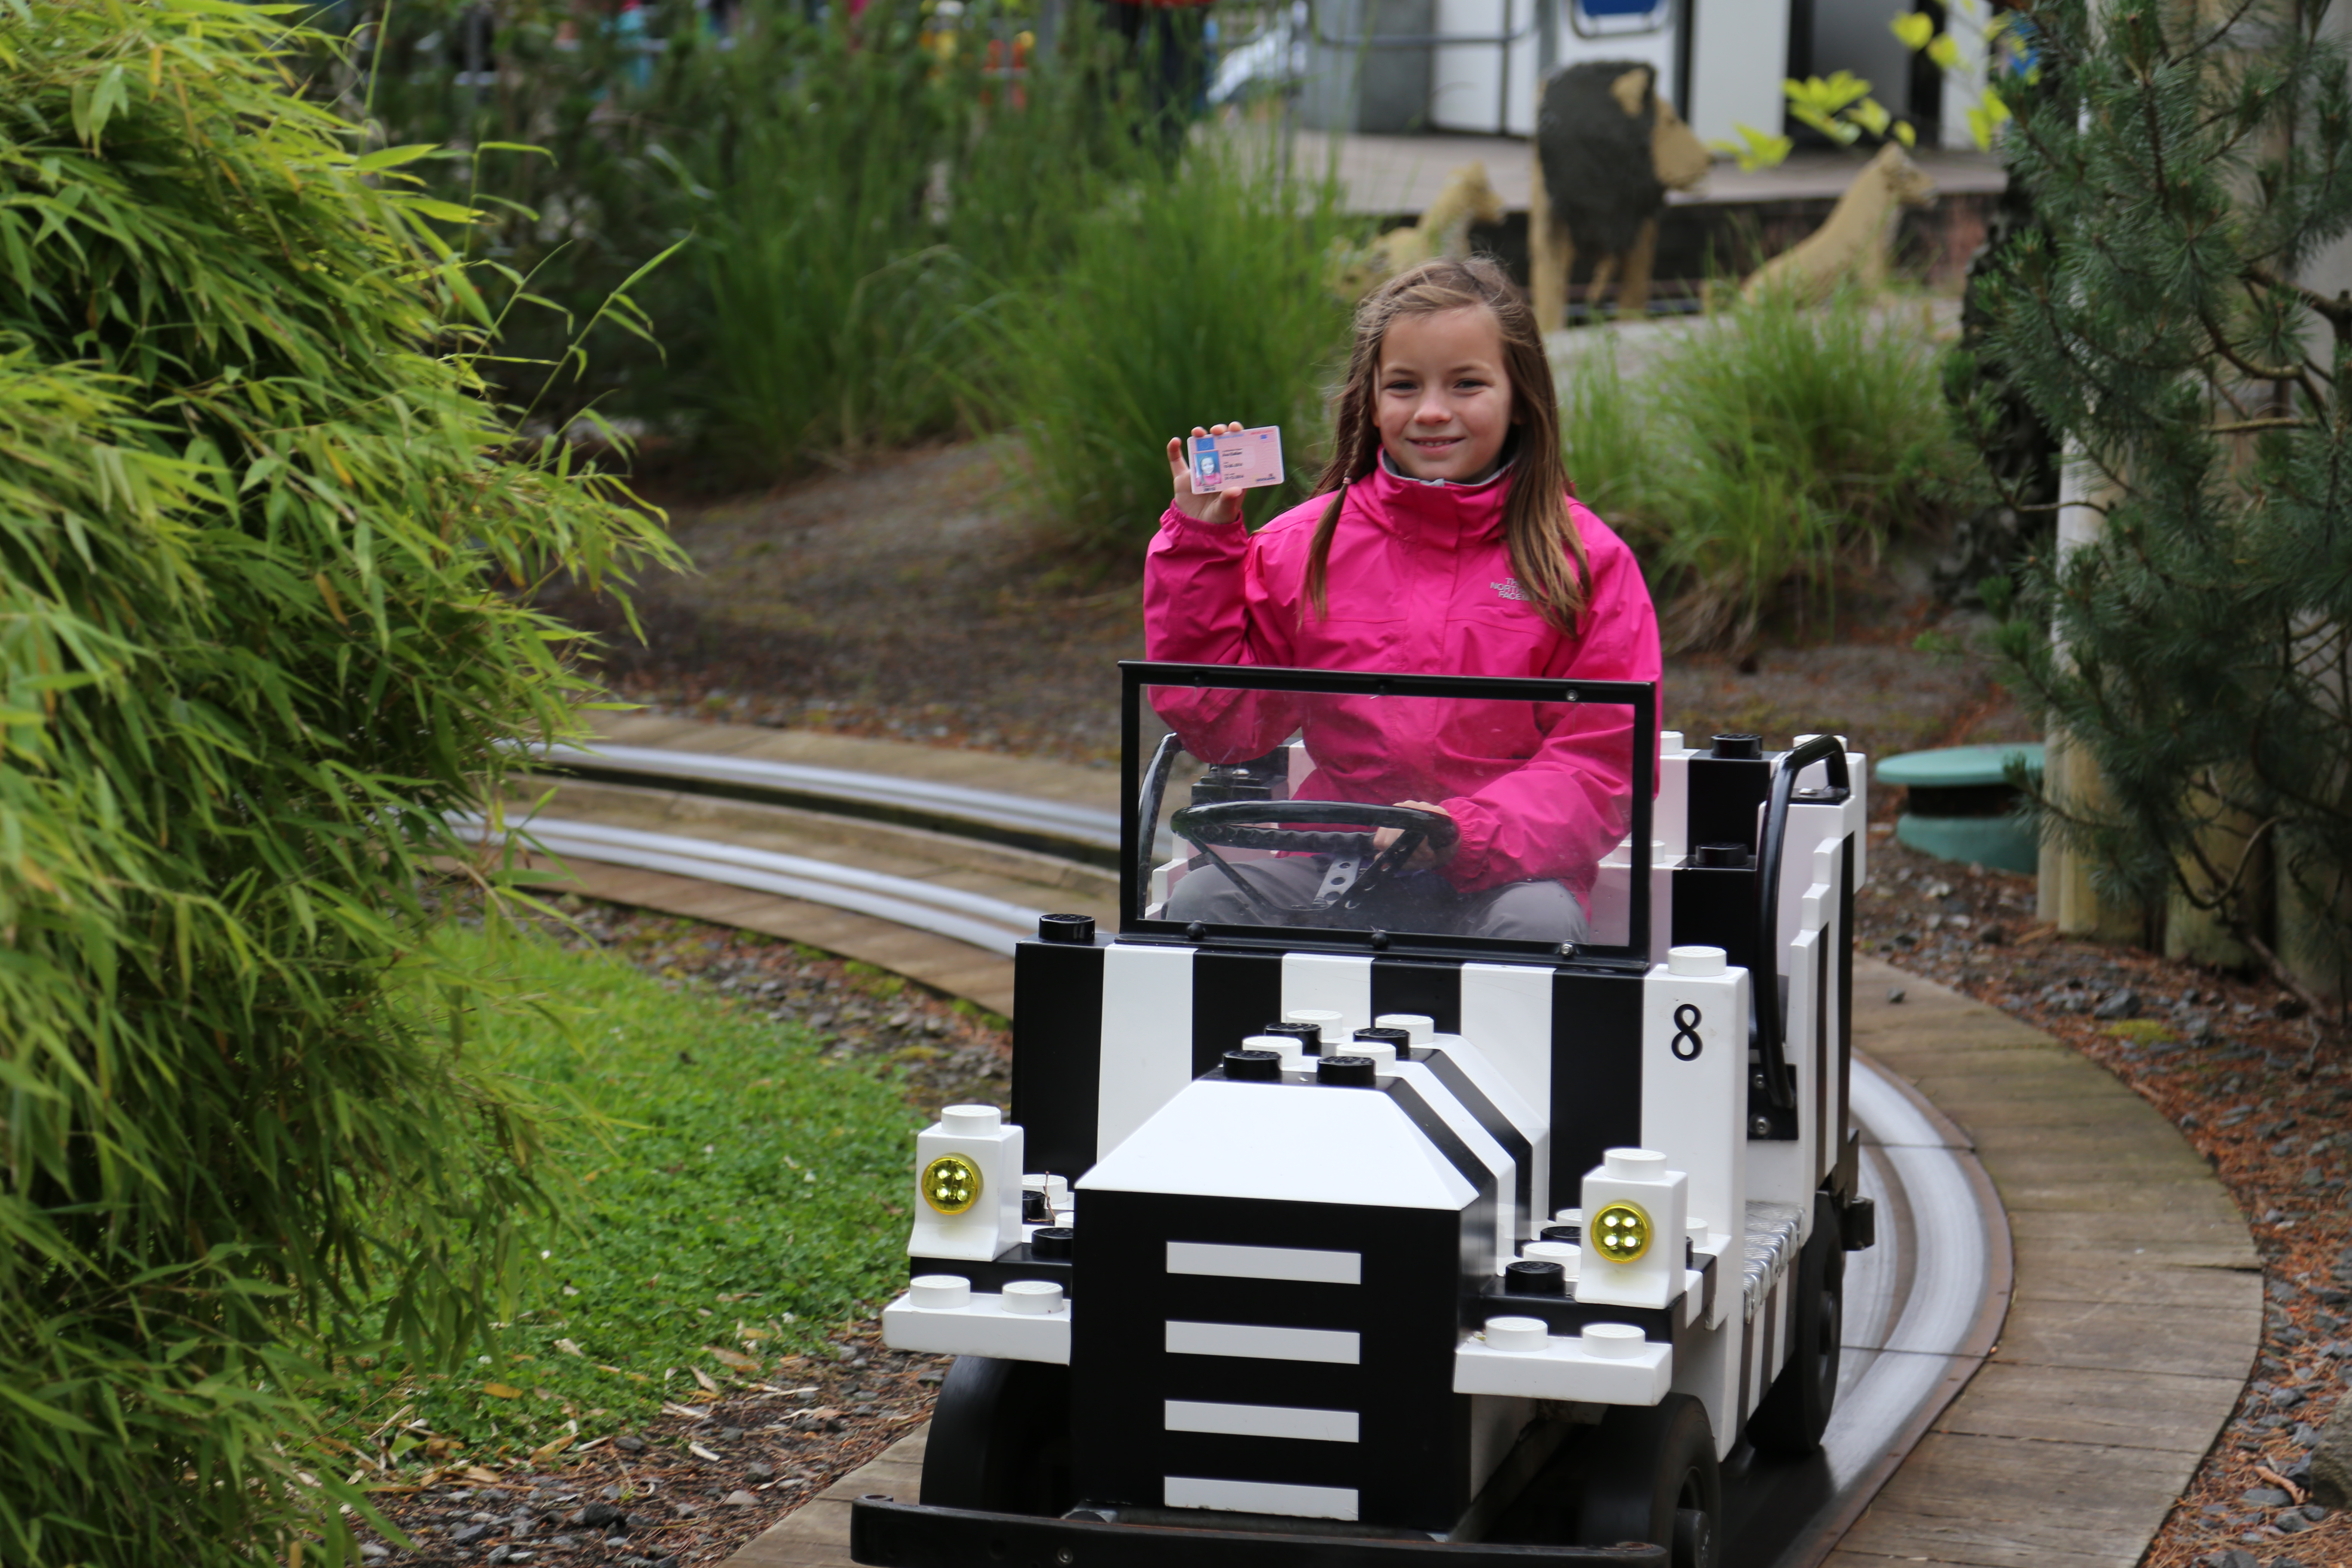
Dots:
{"x": 1387, "y": 810}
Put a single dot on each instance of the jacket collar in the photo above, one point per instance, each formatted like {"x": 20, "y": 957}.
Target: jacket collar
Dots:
{"x": 1435, "y": 511}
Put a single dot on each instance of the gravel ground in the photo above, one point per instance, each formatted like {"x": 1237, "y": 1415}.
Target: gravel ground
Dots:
{"x": 2260, "y": 1090}
{"x": 908, "y": 601}
{"x": 734, "y": 1457}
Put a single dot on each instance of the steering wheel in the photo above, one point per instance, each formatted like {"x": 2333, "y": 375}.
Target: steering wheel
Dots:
{"x": 1306, "y": 825}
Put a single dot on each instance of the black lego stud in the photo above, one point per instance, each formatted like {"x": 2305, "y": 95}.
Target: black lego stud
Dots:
{"x": 1726, "y": 857}
{"x": 1401, "y": 1038}
{"x": 1053, "y": 1241}
{"x": 1035, "y": 1209}
{"x": 1077, "y": 929}
{"x": 1534, "y": 1277}
{"x": 1254, "y": 1067}
{"x": 1571, "y": 1234}
{"x": 1309, "y": 1036}
{"x": 1348, "y": 1072}
{"x": 1738, "y": 748}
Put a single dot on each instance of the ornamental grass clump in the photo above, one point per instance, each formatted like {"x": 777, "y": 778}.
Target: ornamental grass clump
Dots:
{"x": 263, "y": 552}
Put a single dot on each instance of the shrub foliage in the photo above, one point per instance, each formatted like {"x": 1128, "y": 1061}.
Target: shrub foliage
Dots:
{"x": 2192, "y": 161}
{"x": 257, "y": 634}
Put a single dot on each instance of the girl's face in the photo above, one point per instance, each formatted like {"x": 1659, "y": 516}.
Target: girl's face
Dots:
{"x": 1444, "y": 403}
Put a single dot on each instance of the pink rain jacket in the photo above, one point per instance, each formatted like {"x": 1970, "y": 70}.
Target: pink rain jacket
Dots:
{"x": 1419, "y": 582}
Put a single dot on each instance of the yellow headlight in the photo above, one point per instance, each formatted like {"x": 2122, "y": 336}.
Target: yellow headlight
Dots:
{"x": 950, "y": 1184}
{"x": 1619, "y": 1232}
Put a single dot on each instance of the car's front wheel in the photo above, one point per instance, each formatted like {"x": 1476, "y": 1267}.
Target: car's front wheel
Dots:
{"x": 999, "y": 1438}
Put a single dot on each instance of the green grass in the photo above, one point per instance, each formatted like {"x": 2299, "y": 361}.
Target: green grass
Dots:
{"x": 1765, "y": 454}
{"x": 732, "y": 1189}
{"x": 1186, "y": 301}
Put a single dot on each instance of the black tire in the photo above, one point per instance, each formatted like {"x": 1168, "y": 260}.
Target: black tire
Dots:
{"x": 1650, "y": 1474}
{"x": 999, "y": 1438}
{"x": 1795, "y": 1410}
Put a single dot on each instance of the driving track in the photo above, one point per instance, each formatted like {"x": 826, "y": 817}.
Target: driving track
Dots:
{"x": 1922, "y": 1308}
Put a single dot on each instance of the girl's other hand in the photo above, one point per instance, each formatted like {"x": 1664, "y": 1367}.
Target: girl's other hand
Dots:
{"x": 1221, "y": 506}
{"x": 1422, "y": 858}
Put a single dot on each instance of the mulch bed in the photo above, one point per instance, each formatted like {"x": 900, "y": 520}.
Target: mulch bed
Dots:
{"x": 693, "y": 1486}
{"x": 2258, "y": 1088}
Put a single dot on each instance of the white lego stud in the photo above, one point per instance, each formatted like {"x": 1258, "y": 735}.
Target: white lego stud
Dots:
{"x": 1517, "y": 1333}
{"x": 1382, "y": 1053}
{"x": 1418, "y": 1026}
{"x": 1567, "y": 1254}
{"x": 967, "y": 1183}
{"x": 1294, "y": 1054}
{"x": 1569, "y": 1216}
{"x": 939, "y": 1292}
{"x": 1636, "y": 1210}
{"x": 1670, "y": 740}
{"x": 1695, "y": 963}
{"x": 1613, "y": 1341}
{"x": 1323, "y": 1018}
{"x": 1033, "y": 1298}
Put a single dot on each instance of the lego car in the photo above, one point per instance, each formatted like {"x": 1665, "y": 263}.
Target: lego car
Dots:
{"x": 1338, "y": 1219}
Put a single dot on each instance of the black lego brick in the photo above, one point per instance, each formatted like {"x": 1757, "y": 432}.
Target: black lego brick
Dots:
{"x": 1008, "y": 1266}
{"x": 1564, "y": 1315}
{"x": 1412, "y": 985}
{"x": 1413, "y": 1462}
{"x": 1057, "y": 996}
{"x": 1234, "y": 996}
{"x": 1596, "y": 1075}
{"x": 1716, "y": 907}
{"x": 1725, "y": 793}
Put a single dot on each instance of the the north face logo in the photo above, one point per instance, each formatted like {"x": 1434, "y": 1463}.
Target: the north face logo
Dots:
{"x": 1509, "y": 588}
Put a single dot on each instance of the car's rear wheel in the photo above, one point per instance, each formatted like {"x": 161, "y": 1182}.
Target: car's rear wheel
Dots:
{"x": 1795, "y": 1411}
{"x": 999, "y": 1438}
{"x": 1650, "y": 1474}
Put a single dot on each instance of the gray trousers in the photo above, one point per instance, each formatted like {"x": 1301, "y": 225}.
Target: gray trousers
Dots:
{"x": 1421, "y": 901}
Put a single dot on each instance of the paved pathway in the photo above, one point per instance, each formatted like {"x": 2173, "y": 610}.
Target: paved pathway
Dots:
{"x": 2134, "y": 1321}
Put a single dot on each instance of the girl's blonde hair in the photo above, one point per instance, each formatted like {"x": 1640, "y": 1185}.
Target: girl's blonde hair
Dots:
{"x": 1536, "y": 523}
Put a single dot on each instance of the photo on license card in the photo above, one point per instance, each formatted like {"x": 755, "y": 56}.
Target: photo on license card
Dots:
{"x": 1244, "y": 459}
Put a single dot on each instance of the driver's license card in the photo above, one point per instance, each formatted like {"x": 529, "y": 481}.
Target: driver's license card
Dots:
{"x": 1240, "y": 461}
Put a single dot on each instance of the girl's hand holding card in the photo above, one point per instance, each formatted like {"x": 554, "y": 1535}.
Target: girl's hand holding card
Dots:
{"x": 1208, "y": 485}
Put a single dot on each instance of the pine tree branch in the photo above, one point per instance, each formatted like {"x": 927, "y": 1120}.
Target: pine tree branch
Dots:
{"x": 2337, "y": 312}
{"x": 2240, "y": 427}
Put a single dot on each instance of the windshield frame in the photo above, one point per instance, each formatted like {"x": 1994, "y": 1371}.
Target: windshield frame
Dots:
{"x": 1640, "y": 696}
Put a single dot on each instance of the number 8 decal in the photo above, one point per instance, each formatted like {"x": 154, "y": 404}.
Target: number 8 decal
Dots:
{"x": 1687, "y": 1021}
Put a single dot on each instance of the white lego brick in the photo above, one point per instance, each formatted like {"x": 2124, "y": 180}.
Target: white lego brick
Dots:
{"x": 1228, "y": 1262}
{"x": 1608, "y": 1364}
{"x": 1262, "y": 1421}
{"x": 1506, "y": 1018}
{"x": 1639, "y": 1177}
{"x": 1147, "y": 1037}
{"x": 1220, "y": 1139}
{"x": 982, "y": 1326}
{"x": 980, "y": 1134}
{"x": 1332, "y": 983}
{"x": 1613, "y": 896}
{"x": 1260, "y": 1497}
{"x": 1261, "y": 1342}
{"x": 1670, "y": 816}
{"x": 1695, "y": 1078}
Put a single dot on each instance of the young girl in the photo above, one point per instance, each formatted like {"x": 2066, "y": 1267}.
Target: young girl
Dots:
{"x": 1441, "y": 541}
